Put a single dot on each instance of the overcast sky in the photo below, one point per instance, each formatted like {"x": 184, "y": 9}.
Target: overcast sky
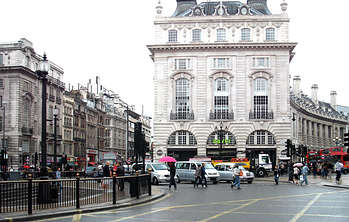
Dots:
{"x": 108, "y": 38}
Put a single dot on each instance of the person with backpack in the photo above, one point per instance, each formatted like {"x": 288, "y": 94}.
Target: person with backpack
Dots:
{"x": 304, "y": 174}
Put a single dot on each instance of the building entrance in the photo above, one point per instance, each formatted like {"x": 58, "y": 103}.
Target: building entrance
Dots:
{"x": 182, "y": 154}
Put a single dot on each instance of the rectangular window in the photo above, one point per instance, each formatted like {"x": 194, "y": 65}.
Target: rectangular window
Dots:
{"x": 260, "y": 107}
{"x": 192, "y": 139}
{"x": 196, "y": 35}
{"x": 26, "y": 86}
{"x": 270, "y": 139}
{"x": 270, "y": 34}
{"x": 182, "y": 64}
{"x": 221, "y": 36}
{"x": 1, "y": 59}
{"x": 182, "y": 138}
{"x": 221, "y": 63}
{"x": 172, "y": 36}
{"x": 261, "y": 62}
{"x": 1, "y": 83}
{"x": 245, "y": 34}
{"x": 221, "y": 105}
{"x": 259, "y": 137}
{"x": 251, "y": 139}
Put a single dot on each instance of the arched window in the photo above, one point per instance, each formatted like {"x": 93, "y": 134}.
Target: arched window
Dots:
{"x": 227, "y": 138}
{"x": 261, "y": 137}
{"x": 260, "y": 100}
{"x": 270, "y": 34}
{"x": 221, "y": 35}
{"x": 172, "y": 35}
{"x": 182, "y": 137}
{"x": 245, "y": 34}
{"x": 182, "y": 98}
{"x": 196, "y": 34}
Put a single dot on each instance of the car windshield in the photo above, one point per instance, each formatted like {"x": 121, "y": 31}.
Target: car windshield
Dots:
{"x": 90, "y": 168}
{"x": 209, "y": 166}
{"x": 160, "y": 167}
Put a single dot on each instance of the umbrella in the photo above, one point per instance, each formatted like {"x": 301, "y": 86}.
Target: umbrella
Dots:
{"x": 168, "y": 159}
{"x": 298, "y": 164}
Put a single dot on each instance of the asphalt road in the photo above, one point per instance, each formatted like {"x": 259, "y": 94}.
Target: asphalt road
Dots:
{"x": 260, "y": 201}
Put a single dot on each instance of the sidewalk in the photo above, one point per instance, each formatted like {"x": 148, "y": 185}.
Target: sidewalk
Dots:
{"x": 61, "y": 212}
{"x": 316, "y": 181}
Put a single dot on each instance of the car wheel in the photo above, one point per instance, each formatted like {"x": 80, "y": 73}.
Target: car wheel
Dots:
{"x": 261, "y": 173}
{"x": 155, "y": 181}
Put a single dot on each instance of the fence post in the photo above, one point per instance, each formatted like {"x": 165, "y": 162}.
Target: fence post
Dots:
{"x": 114, "y": 187}
{"x": 137, "y": 186}
{"x": 77, "y": 193}
{"x": 30, "y": 194}
{"x": 149, "y": 184}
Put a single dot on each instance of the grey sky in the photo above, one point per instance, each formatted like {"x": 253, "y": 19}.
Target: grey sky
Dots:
{"x": 108, "y": 38}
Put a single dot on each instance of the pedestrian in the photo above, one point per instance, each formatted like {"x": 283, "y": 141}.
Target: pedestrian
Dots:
{"x": 314, "y": 167}
{"x": 290, "y": 173}
{"x": 120, "y": 172}
{"x": 296, "y": 175}
{"x": 106, "y": 173}
{"x": 58, "y": 173}
{"x": 172, "y": 176}
{"x": 338, "y": 167}
{"x": 304, "y": 173}
{"x": 197, "y": 176}
{"x": 203, "y": 176}
{"x": 237, "y": 172}
{"x": 277, "y": 173}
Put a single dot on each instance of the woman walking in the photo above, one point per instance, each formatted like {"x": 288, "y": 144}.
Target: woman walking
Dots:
{"x": 277, "y": 174}
{"x": 197, "y": 176}
{"x": 296, "y": 175}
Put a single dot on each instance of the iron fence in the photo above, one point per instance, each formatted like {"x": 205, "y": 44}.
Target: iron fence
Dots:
{"x": 35, "y": 195}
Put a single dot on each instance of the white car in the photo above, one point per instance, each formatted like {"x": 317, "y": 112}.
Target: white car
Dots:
{"x": 225, "y": 171}
{"x": 159, "y": 172}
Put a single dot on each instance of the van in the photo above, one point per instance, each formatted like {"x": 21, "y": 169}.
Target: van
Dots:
{"x": 186, "y": 171}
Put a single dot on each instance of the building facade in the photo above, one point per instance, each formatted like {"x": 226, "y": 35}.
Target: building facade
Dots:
{"x": 221, "y": 80}
{"x": 20, "y": 90}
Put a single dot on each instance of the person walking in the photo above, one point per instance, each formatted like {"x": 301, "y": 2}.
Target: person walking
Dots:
{"x": 277, "y": 173}
{"x": 290, "y": 173}
{"x": 203, "y": 175}
{"x": 172, "y": 176}
{"x": 296, "y": 175}
{"x": 338, "y": 168}
{"x": 304, "y": 173}
{"x": 197, "y": 176}
{"x": 314, "y": 167}
{"x": 106, "y": 173}
{"x": 120, "y": 172}
{"x": 237, "y": 173}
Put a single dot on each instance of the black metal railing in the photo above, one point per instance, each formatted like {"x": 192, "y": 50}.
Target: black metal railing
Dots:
{"x": 221, "y": 115}
{"x": 35, "y": 195}
{"x": 262, "y": 115}
{"x": 27, "y": 131}
{"x": 182, "y": 116}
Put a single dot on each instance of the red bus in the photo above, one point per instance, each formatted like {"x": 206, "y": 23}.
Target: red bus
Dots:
{"x": 338, "y": 154}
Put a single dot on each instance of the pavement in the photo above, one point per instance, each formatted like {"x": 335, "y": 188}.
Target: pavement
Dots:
{"x": 329, "y": 182}
{"x": 157, "y": 192}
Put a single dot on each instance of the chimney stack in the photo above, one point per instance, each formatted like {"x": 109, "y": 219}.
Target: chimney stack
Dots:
{"x": 334, "y": 99}
{"x": 314, "y": 89}
{"x": 296, "y": 85}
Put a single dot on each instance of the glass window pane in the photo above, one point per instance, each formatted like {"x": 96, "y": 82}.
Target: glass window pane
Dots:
{"x": 221, "y": 35}
{"x": 245, "y": 34}
{"x": 270, "y": 34}
{"x": 196, "y": 35}
{"x": 172, "y": 35}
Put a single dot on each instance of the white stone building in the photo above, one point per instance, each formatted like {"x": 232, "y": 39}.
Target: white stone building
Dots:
{"x": 221, "y": 67}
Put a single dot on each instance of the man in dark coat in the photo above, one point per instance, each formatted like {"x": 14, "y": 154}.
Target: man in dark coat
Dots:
{"x": 172, "y": 176}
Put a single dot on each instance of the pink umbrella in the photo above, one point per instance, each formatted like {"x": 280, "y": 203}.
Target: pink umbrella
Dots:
{"x": 168, "y": 159}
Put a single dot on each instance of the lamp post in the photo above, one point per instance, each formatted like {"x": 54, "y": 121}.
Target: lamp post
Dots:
{"x": 55, "y": 114}
{"x": 337, "y": 141}
{"x": 42, "y": 74}
{"x": 220, "y": 135}
{"x": 4, "y": 148}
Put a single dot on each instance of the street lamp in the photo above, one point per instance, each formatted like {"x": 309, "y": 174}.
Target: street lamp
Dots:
{"x": 55, "y": 114}
{"x": 42, "y": 74}
{"x": 5, "y": 156}
{"x": 337, "y": 140}
{"x": 220, "y": 135}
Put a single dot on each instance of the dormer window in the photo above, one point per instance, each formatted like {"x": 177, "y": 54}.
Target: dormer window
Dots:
{"x": 172, "y": 36}
{"x": 221, "y": 35}
{"x": 245, "y": 34}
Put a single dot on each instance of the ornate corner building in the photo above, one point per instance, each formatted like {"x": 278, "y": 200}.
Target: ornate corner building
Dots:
{"x": 221, "y": 80}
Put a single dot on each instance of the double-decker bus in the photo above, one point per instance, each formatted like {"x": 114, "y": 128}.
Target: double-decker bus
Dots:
{"x": 338, "y": 154}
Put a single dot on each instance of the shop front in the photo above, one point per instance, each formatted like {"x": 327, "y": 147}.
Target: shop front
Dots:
{"x": 182, "y": 154}
{"x": 221, "y": 154}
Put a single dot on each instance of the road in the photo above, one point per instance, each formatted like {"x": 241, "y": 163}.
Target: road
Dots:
{"x": 260, "y": 201}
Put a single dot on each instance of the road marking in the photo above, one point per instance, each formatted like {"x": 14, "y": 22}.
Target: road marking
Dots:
{"x": 76, "y": 218}
{"x": 301, "y": 213}
{"x": 288, "y": 214}
{"x": 229, "y": 211}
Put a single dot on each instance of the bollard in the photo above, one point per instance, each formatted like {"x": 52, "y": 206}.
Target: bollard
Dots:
{"x": 149, "y": 184}
{"x": 114, "y": 187}
{"x": 30, "y": 194}
{"x": 77, "y": 191}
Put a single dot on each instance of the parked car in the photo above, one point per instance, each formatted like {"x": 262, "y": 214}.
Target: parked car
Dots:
{"x": 225, "y": 171}
{"x": 93, "y": 171}
{"x": 186, "y": 171}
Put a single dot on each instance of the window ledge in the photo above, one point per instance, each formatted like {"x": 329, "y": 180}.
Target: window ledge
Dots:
{"x": 248, "y": 41}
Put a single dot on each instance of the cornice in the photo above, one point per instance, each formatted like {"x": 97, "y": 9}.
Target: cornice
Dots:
{"x": 239, "y": 46}
{"x": 18, "y": 69}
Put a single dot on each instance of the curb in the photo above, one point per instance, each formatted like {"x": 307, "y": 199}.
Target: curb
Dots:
{"x": 335, "y": 186}
{"x": 83, "y": 211}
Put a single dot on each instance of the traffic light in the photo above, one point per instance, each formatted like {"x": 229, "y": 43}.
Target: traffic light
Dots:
{"x": 346, "y": 140}
{"x": 288, "y": 147}
{"x": 138, "y": 138}
{"x": 147, "y": 147}
{"x": 293, "y": 149}
{"x": 299, "y": 150}
{"x": 305, "y": 151}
